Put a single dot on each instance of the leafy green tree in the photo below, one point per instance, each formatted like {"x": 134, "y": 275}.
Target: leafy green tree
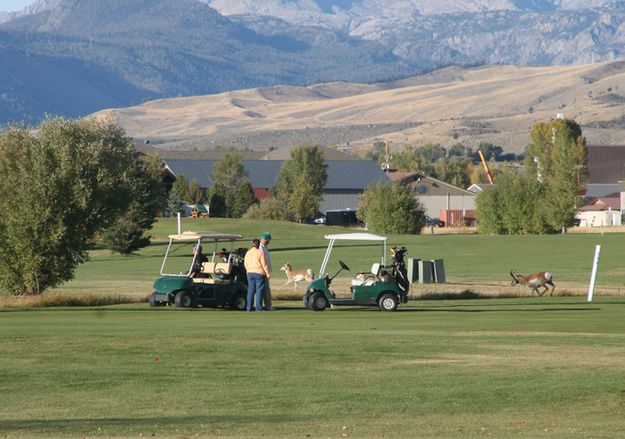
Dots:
{"x": 231, "y": 194}
{"x": 377, "y": 152}
{"x": 300, "y": 183}
{"x": 431, "y": 152}
{"x": 490, "y": 151}
{"x": 557, "y": 158}
{"x": 391, "y": 209}
{"x": 487, "y": 204}
{"x": 127, "y": 233}
{"x": 548, "y": 141}
{"x": 58, "y": 188}
{"x": 515, "y": 205}
{"x": 562, "y": 189}
{"x": 459, "y": 150}
{"x": 196, "y": 193}
{"x": 453, "y": 171}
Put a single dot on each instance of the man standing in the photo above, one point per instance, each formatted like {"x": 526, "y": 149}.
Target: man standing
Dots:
{"x": 264, "y": 242}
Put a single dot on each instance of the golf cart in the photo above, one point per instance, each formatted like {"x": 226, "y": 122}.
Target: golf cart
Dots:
{"x": 220, "y": 282}
{"x": 384, "y": 286}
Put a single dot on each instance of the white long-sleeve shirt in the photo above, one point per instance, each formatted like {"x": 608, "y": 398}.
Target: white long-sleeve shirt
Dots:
{"x": 267, "y": 257}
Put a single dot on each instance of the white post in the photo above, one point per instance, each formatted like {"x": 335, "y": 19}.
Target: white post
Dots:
{"x": 593, "y": 276}
{"x": 179, "y": 224}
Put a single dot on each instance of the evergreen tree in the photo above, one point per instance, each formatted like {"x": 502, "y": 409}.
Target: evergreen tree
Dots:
{"x": 127, "y": 233}
{"x": 180, "y": 189}
{"x": 231, "y": 194}
{"x": 242, "y": 199}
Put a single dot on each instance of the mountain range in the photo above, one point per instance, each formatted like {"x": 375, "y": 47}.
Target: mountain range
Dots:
{"x": 494, "y": 104}
{"x": 74, "y": 57}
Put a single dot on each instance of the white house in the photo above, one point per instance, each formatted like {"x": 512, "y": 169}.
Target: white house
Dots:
{"x": 601, "y": 212}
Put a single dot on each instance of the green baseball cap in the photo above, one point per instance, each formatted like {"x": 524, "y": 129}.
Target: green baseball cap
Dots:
{"x": 266, "y": 235}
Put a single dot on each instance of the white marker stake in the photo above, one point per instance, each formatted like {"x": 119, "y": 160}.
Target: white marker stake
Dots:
{"x": 179, "y": 224}
{"x": 593, "y": 276}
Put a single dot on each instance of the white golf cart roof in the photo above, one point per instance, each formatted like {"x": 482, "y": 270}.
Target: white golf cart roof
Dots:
{"x": 351, "y": 237}
{"x": 208, "y": 236}
{"x": 357, "y": 237}
{"x": 198, "y": 237}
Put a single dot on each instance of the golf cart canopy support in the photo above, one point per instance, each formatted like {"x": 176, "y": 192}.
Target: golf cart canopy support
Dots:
{"x": 199, "y": 237}
{"x": 352, "y": 237}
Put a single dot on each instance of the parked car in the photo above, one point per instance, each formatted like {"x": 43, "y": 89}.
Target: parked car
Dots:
{"x": 321, "y": 221}
{"x": 434, "y": 222}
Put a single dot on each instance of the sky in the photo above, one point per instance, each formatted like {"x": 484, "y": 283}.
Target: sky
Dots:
{"x": 13, "y": 5}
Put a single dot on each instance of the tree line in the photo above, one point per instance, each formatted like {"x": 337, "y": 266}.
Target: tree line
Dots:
{"x": 458, "y": 165}
{"x": 295, "y": 196}
{"x": 543, "y": 195}
{"x": 75, "y": 182}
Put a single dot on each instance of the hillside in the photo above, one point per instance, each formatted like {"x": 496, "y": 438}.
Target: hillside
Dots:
{"x": 122, "y": 52}
{"x": 496, "y": 104}
{"x": 162, "y": 48}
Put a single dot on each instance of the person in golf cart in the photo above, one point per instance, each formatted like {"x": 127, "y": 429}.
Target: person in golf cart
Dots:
{"x": 198, "y": 260}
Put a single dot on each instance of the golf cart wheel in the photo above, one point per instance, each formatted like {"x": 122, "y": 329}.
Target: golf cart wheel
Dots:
{"x": 318, "y": 301}
{"x": 152, "y": 300}
{"x": 388, "y": 302}
{"x": 239, "y": 302}
{"x": 184, "y": 299}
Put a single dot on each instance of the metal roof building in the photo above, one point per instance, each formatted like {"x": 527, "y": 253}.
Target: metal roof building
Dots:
{"x": 606, "y": 169}
{"x": 347, "y": 179}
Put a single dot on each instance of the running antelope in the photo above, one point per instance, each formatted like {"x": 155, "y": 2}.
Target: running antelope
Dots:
{"x": 296, "y": 276}
{"x": 535, "y": 281}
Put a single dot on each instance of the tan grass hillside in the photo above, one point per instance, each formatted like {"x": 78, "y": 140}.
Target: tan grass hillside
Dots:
{"x": 496, "y": 104}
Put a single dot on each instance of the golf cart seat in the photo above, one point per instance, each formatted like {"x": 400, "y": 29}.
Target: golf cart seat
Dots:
{"x": 217, "y": 268}
{"x": 368, "y": 279}
{"x": 218, "y": 273}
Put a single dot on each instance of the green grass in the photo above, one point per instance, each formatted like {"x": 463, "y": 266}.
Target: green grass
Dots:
{"x": 526, "y": 368}
{"x": 478, "y": 260}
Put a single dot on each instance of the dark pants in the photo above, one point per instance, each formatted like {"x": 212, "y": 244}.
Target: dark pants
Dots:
{"x": 255, "y": 286}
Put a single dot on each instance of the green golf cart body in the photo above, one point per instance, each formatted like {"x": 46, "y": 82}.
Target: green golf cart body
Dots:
{"x": 221, "y": 282}
{"x": 377, "y": 287}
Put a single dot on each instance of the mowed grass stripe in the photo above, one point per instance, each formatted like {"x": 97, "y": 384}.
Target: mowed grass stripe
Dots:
{"x": 506, "y": 367}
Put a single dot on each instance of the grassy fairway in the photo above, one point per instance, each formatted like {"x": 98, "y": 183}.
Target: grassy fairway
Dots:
{"x": 500, "y": 368}
{"x": 478, "y": 260}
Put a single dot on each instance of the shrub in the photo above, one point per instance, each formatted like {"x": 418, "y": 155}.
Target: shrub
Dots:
{"x": 391, "y": 209}
{"x": 268, "y": 209}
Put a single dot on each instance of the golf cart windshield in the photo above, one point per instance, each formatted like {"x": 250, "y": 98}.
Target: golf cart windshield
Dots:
{"x": 180, "y": 255}
{"x": 352, "y": 237}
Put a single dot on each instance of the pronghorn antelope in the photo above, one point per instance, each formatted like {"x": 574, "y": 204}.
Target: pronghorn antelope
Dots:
{"x": 296, "y": 276}
{"x": 535, "y": 281}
